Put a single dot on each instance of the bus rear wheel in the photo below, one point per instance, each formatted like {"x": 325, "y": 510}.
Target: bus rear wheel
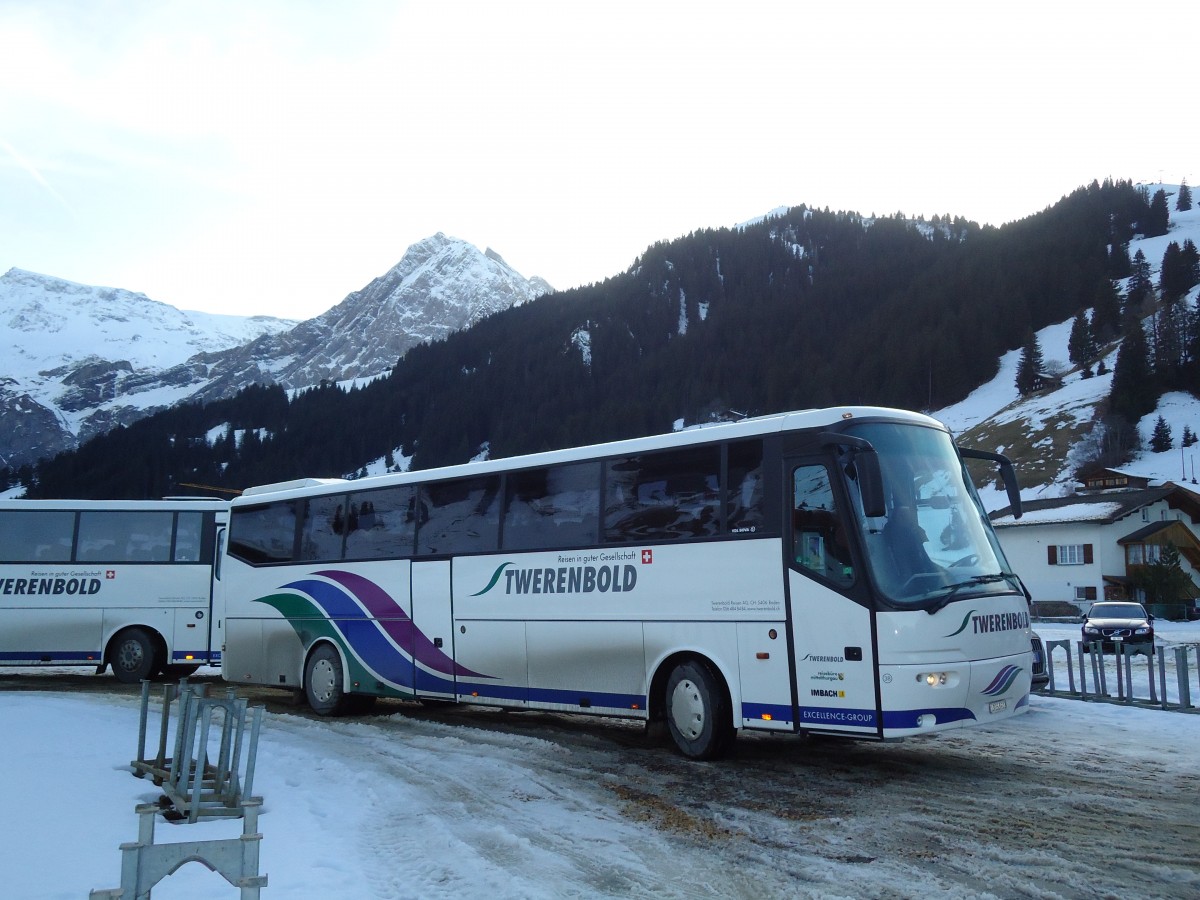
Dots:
{"x": 323, "y": 682}
{"x": 133, "y": 656}
{"x": 698, "y": 712}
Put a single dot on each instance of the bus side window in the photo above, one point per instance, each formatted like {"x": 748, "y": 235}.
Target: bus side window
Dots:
{"x": 124, "y": 536}
{"x": 460, "y": 516}
{"x": 663, "y": 496}
{"x": 378, "y": 523}
{"x": 189, "y": 530}
{"x": 323, "y": 527}
{"x": 36, "y": 535}
{"x": 547, "y": 509}
{"x": 264, "y": 534}
{"x": 819, "y": 537}
{"x": 744, "y": 510}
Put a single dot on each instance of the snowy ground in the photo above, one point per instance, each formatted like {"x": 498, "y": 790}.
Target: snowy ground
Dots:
{"x": 402, "y": 806}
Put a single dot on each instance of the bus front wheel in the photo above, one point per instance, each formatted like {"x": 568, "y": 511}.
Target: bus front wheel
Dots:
{"x": 323, "y": 682}
{"x": 133, "y": 656}
{"x": 698, "y": 712}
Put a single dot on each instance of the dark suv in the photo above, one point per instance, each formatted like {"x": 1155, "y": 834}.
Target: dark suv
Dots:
{"x": 1114, "y": 623}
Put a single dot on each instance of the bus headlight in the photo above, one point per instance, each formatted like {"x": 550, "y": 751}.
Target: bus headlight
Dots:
{"x": 933, "y": 679}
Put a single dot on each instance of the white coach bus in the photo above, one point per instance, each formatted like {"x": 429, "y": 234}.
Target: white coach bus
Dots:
{"x": 123, "y": 583}
{"x": 825, "y": 571}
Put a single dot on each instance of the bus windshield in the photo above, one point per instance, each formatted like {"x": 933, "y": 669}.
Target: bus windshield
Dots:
{"x": 934, "y": 543}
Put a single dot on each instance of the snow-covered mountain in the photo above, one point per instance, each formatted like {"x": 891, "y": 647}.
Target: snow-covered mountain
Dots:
{"x": 79, "y": 360}
{"x": 70, "y": 351}
{"x": 442, "y": 285}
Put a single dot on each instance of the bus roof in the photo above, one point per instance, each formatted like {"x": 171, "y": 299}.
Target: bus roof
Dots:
{"x": 172, "y": 503}
{"x": 751, "y": 427}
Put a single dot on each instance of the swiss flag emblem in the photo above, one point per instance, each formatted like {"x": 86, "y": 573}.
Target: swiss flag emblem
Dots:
{"x": 110, "y": 574}
{"x": 647, "y": 557}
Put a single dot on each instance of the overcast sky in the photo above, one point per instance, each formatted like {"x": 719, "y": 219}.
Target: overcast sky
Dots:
{"x": 272, "y": 156}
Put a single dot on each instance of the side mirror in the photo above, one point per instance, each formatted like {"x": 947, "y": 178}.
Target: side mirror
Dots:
{"x": 870, "y": 483}
{"x": 1007, "y": 472}
{"x": 866, "y": 465}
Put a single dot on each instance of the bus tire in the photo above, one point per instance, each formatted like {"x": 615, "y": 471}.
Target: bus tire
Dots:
{"x": 133, "y": 656}
{"x": 323, "y": 679}
{"x": 698, "y": 711}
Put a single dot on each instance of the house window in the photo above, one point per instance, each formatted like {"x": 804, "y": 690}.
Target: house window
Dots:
{"x": 1142, "y": 554}
{"x": 1069, "y": 554}
{"x": 1085, "y": 593}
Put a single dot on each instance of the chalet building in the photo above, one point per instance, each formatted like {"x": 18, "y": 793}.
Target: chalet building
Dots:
{"x": 1088, "y": 547}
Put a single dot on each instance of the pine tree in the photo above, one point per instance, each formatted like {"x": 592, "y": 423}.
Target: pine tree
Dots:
{"x": 1183, "y": 201}
{"x": 1140, "y": 290}
{"x": 1164, "y": 580}
{"x": 1160, "y": 440}
{"x": 1189, "y": 436}
{"x": 1106, "y": 312}
{"x": 1191, "y": 262}
{"x": 1159, "y": 218}
{"x": 1175, "y": 278}
{"x": 1132, "y": 394}
{"x": 1170, "y": 340}
{"x": 1118, "y": 260}
{"x": 1029, "y": 368}
{"x": 1081, "y": 345}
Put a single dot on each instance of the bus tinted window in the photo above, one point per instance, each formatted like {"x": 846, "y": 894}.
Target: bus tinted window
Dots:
{"x": 324, "y": 525}
{"x": 554, "y": 507}
{"x": 819, "y": 539}
{"x": 380, "y": 523}
{"x": 124, "y": 536}
{"x": 744, "y": 508}
{"x": 189, "y": 538}
{"x": 459, "y": 516}
{"x": 661, "y": 496}
{"x": 36, "y": 536}
{"x": 264, "y": 534}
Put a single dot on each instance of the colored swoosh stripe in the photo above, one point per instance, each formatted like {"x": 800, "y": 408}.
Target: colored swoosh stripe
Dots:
{"x": 346, "y": 610}
{"x": 960, "y": 628}
{"x": 363, "y": 633}
{"x": 367, "y": 652}
{"x": 495, "y": 577}
{"x": 393, "y": 619}
{"x": 1003, "y": 681}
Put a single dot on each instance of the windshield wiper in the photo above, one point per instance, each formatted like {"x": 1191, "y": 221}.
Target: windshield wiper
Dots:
{"x": 954, "y": 589}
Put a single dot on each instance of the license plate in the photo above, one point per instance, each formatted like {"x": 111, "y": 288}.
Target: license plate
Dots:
{"x": 1118, "y": 639}
{"x": 997, "y": 706}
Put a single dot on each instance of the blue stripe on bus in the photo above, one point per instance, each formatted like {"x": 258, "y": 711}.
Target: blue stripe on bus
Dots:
{"x": 817, "y": 716}
{"x": 55, "y": 655}
{"x": 600, "y": 699}
{"x": 907, "y": 718}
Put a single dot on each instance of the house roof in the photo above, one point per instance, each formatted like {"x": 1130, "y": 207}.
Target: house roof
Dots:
{"x": 1173, "y": 532}
{"x": 1102, "y": 508}
{"x": 1139, "y": 536}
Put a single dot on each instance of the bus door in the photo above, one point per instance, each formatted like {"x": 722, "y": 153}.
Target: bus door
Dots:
{"x": 433, "y": 617}
{"x": 831, "y": 633}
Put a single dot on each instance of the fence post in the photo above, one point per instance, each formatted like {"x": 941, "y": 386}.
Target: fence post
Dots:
{"x": 1050, "y": 647}
{"x": 1181, "y": 673}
